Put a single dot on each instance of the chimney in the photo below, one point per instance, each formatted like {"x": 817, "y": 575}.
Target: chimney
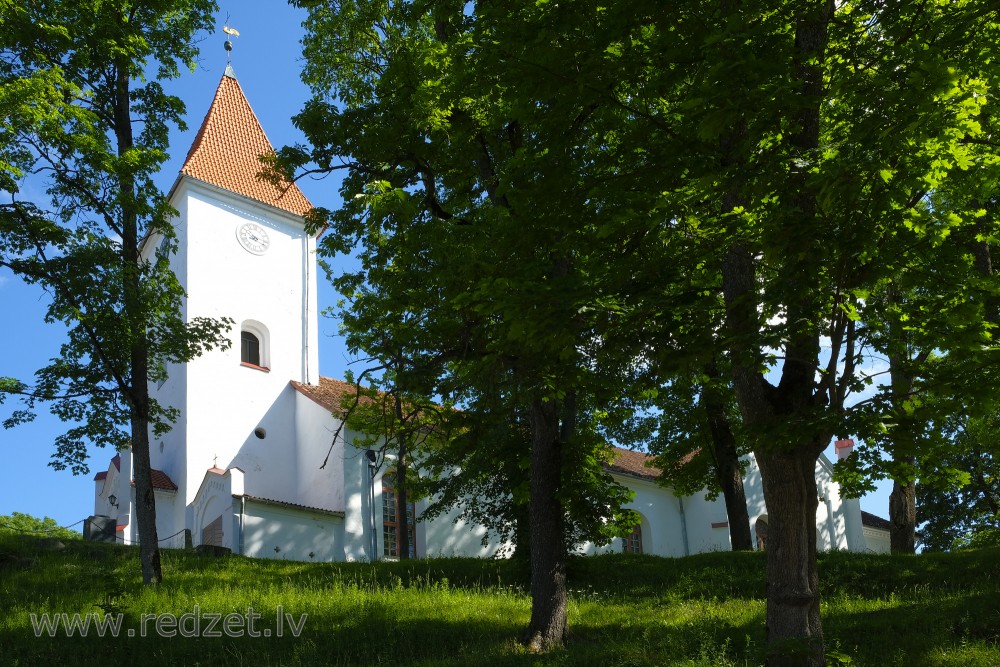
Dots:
{"x": 844, "y": 448}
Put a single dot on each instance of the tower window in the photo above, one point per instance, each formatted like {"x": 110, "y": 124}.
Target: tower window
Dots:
{"x": 254, "y": 344}
{"x": 250, "y": 348}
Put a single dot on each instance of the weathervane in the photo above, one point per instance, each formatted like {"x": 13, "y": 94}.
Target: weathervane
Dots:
{"x": 229, "y": 45}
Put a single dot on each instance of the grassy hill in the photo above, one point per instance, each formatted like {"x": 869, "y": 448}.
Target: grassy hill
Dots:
{"x": 624, "y": 610}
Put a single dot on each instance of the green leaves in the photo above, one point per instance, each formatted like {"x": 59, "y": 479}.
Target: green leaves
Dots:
{"x": 81, "y": 124}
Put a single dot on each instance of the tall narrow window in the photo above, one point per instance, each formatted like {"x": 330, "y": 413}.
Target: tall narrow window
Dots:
{"x": 390, "y": 523}
{"x": 250, "y": 348}
{"x": 632, "y": 544}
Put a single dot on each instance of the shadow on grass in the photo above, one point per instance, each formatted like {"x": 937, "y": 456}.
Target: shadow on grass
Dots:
{"x": 913, "y": 628}
{"x": 625, "y": 609}
{"x": 375, "y": 634}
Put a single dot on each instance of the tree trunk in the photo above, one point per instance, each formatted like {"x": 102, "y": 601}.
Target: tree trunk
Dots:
{"x": 727, "y": 465}
{"x": 547, "y": 628}
{"x": 145, "y": 502}
{"x": 402, "y": 520}
{"x": 794, "y": 631}
{"x": 731, "y": 480}
{"x": 903, "y": 499}
{"x": 788, "y": 467}
{"x": 903, "y": 516}
{"x": 138, "y": 391}
{"x": 727, "y": 462}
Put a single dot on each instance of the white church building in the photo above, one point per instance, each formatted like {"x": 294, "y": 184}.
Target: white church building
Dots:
{"x": 241, "y": 467}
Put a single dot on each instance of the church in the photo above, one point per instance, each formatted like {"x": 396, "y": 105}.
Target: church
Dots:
{"x": 240, "y": 468}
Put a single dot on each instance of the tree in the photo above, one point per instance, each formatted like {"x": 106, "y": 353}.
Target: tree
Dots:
{"x": 454, "y": 212}
{"x": 826, "y": 215}
{"x": 558, "y": 174}
{"x": 954, "y": 515}
{"x": 82, "y": 119}
{"x": 18, "y": 522}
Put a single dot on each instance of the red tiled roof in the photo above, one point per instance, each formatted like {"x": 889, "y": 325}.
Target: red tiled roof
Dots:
{"x": 633, "y": 463}
{"x": 329, "y": 393}
{"x": 101, "y": 475}
{"x": 161, "y": 480}
{"x": 874, "y": 521}
{"x": 227, "y": 150}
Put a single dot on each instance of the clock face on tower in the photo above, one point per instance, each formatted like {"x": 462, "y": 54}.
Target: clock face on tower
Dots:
{"x": 253, "y": 237}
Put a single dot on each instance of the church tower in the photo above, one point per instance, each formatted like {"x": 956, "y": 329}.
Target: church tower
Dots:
{"x": 242, "y": 253}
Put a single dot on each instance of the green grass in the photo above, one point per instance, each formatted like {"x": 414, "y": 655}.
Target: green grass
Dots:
{"x": 624, "y": 610}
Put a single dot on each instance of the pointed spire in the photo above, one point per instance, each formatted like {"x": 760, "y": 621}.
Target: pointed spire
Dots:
{"x": 227, "y": 150}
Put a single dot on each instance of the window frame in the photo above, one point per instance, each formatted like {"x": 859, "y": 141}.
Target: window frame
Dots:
{"x": 247, "y": 356}
{"x": 390, "y": 522}
{"x": 632, "y": 544}
{"x": 258, "y": 331}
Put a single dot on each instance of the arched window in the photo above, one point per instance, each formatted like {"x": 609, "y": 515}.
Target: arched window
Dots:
{"x": 390, "y": 522}
{"x": 249, "y": 348}
{"x": 632, "y": 544}
{"x": 254, "y": 345}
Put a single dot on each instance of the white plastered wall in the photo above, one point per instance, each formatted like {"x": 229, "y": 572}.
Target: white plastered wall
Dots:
{"x": 224, "y": 401}
{"x": 291, "y": 534}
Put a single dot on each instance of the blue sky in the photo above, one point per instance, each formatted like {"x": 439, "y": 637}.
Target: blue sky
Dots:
{"x": 267, "y": 60}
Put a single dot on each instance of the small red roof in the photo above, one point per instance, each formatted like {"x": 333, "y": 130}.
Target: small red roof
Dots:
{"x": 227, "y": 151}
{"x": 161, "y": 480}
{"x": 116, "y": 461}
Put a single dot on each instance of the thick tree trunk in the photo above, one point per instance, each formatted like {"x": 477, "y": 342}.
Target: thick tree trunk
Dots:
{"x": 135, "y": 316}
{"x": 794, "y": 630}
{"x": 547, "y": 628}
{"x": 727, "y": 465}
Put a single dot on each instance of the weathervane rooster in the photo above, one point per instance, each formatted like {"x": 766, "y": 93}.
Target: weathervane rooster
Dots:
{"x": 232, "y": 32}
